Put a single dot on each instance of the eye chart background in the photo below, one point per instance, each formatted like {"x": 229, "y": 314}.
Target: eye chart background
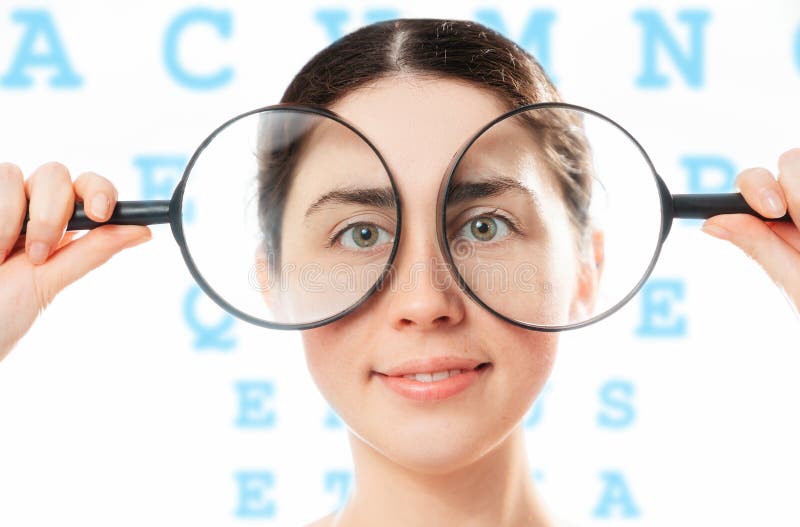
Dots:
{"x": 135, "y": 400}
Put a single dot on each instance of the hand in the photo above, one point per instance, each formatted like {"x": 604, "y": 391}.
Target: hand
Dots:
{"x": 774, "y": 245}
{"x": 36, "y": 266}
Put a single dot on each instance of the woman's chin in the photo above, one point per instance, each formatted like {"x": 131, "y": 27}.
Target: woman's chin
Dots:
{"x": 433, "y": 461}
{"x": 432, "y": 437}
{"x": 434, "y": 448}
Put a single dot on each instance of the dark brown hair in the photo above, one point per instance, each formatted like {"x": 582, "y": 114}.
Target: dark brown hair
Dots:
{"x": 456, "y": 49}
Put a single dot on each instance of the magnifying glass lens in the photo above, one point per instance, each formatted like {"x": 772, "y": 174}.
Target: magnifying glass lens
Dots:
{"x": 289, "y": 217}
{"x": 551, "y": 217}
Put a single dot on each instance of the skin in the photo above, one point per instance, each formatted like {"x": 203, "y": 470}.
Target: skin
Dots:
{"x": 473, "y": 468}
{"x": 461, "y": 460}
{"x": 32, "y": 278}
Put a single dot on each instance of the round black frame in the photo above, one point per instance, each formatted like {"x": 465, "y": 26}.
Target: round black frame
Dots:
{"x": 175, "y": 220}
{"x": 665, "y": 199}
{"x": 152, "y": 212}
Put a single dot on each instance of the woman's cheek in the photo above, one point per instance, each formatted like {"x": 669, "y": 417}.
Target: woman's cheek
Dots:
{"x": 335, "y": 369}
{"x": 528, "y": 364}
{"x": 320, "y": 349}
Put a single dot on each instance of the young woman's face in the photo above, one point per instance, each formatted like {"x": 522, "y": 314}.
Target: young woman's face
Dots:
{"x": 418, "y": 125}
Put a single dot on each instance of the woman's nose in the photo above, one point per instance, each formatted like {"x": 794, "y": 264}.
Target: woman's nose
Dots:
{"x": 422, "y": 293}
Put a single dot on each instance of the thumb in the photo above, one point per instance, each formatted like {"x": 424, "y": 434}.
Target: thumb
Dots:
{"x": 758, "y": 240}
{"x": 73, "y": 260}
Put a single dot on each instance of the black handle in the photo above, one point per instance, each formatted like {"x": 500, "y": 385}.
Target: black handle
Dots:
{"x": 125, "y": 213}
{"x": 706, "y": 205}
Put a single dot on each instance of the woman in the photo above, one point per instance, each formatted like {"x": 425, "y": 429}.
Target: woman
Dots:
{"x": 416, "y": 88}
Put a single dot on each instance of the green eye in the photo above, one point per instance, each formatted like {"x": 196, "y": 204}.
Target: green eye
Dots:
{"x": 365, "y": 235}
{"x": 483, "y": 228}
{"x": 486, "y": 228}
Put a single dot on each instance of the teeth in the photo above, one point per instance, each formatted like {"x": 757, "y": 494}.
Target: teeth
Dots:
{"x": 431, "y": 377}
{"x": 439, "y": 375}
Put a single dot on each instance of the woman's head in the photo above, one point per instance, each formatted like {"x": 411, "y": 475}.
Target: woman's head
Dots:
{"x": 433, "y": 49}
{"x": 418, "y": 89}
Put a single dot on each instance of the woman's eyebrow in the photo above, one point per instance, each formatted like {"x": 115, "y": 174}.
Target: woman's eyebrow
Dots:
{"x": 489, "y": 186}
{"x": 377, "y": 197}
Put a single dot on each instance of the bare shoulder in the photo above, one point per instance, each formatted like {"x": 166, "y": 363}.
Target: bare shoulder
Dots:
{"x": 325, "y": 521}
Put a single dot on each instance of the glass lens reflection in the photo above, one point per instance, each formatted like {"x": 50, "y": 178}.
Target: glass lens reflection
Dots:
{"x": 553, "y": 216}
{"x": 293, "y": 217}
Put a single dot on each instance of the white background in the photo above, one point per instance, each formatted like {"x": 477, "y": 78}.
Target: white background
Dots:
{"x": 109, "y": 416}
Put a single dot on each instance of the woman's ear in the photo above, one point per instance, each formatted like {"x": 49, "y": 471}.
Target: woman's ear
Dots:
{"x": 590, "y": 271}
{"x": 262, "y": 277}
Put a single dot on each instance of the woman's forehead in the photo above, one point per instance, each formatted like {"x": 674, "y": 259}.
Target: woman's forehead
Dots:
{"x": 416, "y": 122}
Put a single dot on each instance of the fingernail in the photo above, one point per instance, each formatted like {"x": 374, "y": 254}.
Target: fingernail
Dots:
{"x": 100, "y": 205}
{"x": 716, "y": 231}
{"x": 38, "y": 252}
{"x": 772, "y": 203}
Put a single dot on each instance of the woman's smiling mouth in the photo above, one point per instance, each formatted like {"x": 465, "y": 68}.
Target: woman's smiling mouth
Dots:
{"x": 433, "y": 379}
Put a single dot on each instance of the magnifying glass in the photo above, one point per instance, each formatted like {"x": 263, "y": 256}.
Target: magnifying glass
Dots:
{"x": 566, "y": 216}
{"x": 551, "y": 216}
{"x": 282, "y": 215}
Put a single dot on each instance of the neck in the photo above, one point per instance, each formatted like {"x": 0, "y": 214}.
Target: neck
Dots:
{"x": 495, "y": 490}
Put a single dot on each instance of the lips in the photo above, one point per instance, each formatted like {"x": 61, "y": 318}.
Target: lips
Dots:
{"x": 433, "y": 378}
{"x": 431, "y": 365}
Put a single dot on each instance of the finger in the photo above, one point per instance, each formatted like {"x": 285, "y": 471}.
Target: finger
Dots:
{"x": 789, "y": 180}
{"x": 51, "y": 203}
{"x": 74, "y": 260}
{"x": 68, "y": 236}
{"x": 760, "y": 242}
{"x": 762, "y": 192}
{"x": 20, "y": 244}
{"x": 12, "y": 207}
{"x": 99, "y": 195}
{"x": 788, "y": 232}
